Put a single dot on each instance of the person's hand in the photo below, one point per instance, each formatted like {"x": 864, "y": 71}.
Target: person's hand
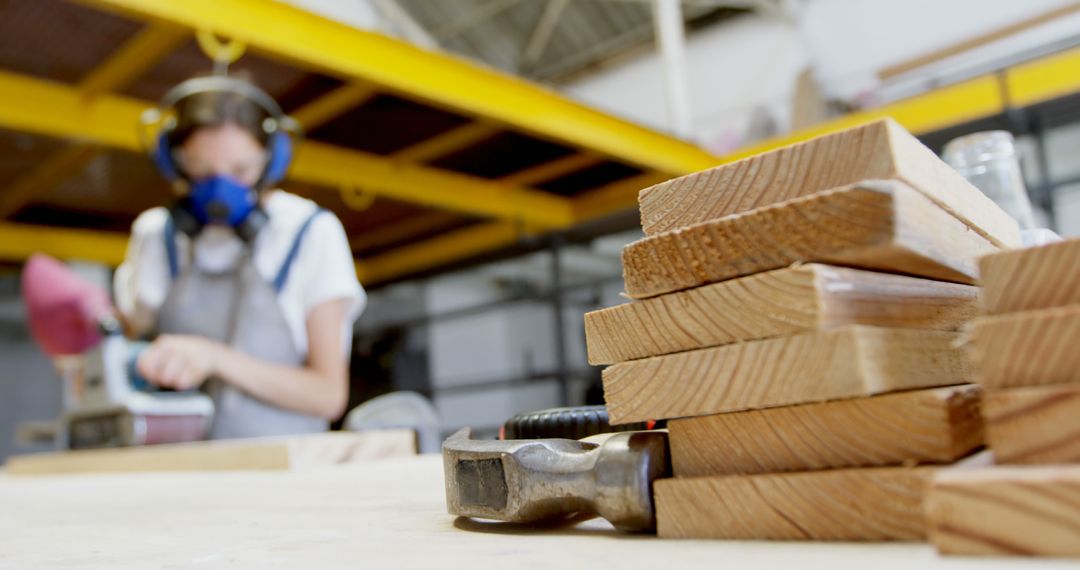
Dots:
{"x": 179, "y": 362}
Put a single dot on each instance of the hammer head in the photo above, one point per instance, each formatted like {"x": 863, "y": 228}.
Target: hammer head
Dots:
{"x": 532, "y": 480}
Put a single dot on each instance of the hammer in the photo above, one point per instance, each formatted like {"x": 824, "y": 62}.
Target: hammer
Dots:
{"x": 532, "y": 480}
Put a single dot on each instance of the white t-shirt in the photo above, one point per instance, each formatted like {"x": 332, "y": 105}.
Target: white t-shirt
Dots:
{"x": 322, "y": 271}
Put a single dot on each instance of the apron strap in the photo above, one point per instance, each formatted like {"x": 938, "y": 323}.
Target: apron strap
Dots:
{"x": 170, "y": 247}
{"x": 283, "y": 273}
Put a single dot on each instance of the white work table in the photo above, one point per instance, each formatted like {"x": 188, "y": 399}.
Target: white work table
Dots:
{"x": 383, "y": 514}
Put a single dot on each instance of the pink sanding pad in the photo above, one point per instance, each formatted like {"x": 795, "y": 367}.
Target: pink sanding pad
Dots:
{"x": 63, "y": 309}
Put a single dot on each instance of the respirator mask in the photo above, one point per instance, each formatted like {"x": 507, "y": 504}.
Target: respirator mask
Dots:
{"x": 220, "y": 199}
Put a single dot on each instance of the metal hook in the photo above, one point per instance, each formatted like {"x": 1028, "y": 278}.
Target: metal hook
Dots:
{"x": 221, "y": 52}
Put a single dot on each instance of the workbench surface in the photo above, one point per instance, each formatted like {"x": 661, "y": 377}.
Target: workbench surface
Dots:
{"x": 384, "y": 514}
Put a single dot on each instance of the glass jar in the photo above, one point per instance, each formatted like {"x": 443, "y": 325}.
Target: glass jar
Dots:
{"x": 988, "y": 160}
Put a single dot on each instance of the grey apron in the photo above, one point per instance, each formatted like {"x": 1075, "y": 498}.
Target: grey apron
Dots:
{"x": 239, "y": 308}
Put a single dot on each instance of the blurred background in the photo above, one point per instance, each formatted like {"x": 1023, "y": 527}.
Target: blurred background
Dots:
{"x": 484, "y": 156}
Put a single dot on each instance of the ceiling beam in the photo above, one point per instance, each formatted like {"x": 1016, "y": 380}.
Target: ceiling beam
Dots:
{"x": 311, "y": 41}
{"x": 402, "y": 230}
{"x": 129, "y": 62}
{"x": 333, "y": 105}
{"x": 52, "y": 109}
{"x": 477, "y": 15}
{"x": 448, "y": 248}
{"x": 45, "y": 176}
{"x": 19, "y": 241}
{"x": 614, "y": 197}
{"x": 405, "y": 24}
{"x": 542, "y": 33}
{"x": 135, "y": 57}
{"x": 551, "y": 170}
{"x": 446, "y": 143}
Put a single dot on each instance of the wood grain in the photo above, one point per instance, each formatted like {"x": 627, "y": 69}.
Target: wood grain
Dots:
{"x": 880, "y": 225}
{"x": 1039, "y": 424}
{"x": 873, "y": 504}
{"x": 878, "y": 150}
{"x": 1027, "y": 349}
{"x": 781, "y": 302}
{"x": 1032, "y": 511}
{"x": 938, "y": 425}
{"x": 278, "y": 453}
{"x": 810, "y": 367}
{"x": 389, "y": 513}
{"x": 1032, "y": 278}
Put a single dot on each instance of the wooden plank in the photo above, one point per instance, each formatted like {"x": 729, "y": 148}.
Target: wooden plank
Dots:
{"x": 1039, "y": 424}
{"x": 938, "y": 425}
{"x": 781, "y": 302}
{"x": 880, "y": 225}
{"x": 1032, "y": 278}
{"x": 278, "y": 453}
{"x": 392, "y": 513}
{"x": 874, "y": 504}
{"x": 1030, "y": 348}
{"x": 1031, "y": 511}
{"x": 878, "y": 150}
{"x": 810, "y": 367}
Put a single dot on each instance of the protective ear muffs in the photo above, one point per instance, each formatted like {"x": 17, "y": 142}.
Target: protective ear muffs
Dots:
{"x": 277, "y": 165}
{"x": 279, "y": 146}
{"x": 163, "y": 157}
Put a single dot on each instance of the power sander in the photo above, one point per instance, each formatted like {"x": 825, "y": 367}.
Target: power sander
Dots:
{"x": 106, "y": 402}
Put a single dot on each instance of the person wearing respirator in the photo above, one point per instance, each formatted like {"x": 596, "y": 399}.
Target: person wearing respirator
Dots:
{"x": 251, "y": 291}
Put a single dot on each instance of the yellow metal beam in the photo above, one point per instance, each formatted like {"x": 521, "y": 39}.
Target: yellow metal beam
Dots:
{"x": 1024, "y": 85}
{"x": 403, "y": 230}
{"x": 19, "y": 241}
{"x": 47, "y": 108}
{"x": 332, "y": 166}
{"x": 551, "y": 170}
{"x": 149, "y": 46}
{"x": 1044, "y": 79}
{"x": 45, "y": 176}
{"x": 302, "y": 37}
{"x": 333, "y": 104}
{"x": 447, "y": 248}
{"x": 614, "y": 197}
{"x": 948, "y": 106}
{"x": 945, "y": 107}
{"x": 447, "y": 142}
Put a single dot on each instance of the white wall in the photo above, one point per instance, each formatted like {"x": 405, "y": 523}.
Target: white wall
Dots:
{"x": 491, "y": 346}
{"x": 848, "y": 41}
{"x": 731, "y": 68}
{"x": 752, "y": 62}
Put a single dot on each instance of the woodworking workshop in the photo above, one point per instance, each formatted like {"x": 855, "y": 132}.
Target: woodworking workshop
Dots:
{"x": 540, "y": 284}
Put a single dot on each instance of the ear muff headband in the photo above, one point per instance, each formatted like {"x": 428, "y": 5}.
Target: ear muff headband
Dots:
{"x": 277, "y": 126}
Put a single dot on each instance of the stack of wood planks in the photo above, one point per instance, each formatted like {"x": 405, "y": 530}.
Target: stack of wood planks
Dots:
{"x": 1027, "y": 361}
{"x": 795, "y": 316}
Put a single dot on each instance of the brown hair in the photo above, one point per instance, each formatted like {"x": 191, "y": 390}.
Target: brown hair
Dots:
{"x": 215, "y": 108}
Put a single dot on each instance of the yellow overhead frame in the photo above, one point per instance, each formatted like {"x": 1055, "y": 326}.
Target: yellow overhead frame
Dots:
{"x": 1018, "y": 86}
{"x": 20, "y": 241}
{"x": 52, "y": 109}
{"x": 291, "y": 34}
{"x": 149, "y": 46}
{"x": 300, "y": 36}
{"x": 985, "y": 96}
{"x": 132, "y": 59}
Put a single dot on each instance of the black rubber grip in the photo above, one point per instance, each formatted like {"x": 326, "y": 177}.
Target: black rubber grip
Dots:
{"x": 568, "y": 423}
